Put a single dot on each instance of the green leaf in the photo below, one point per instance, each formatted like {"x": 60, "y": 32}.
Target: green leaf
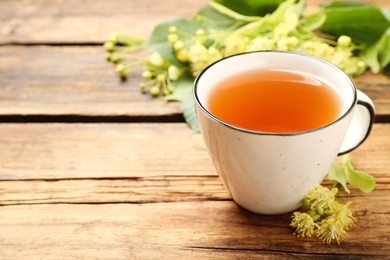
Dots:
{"x": 211, "y": 18}
{"x": 336, "y": 173}
{"x": 377, "y": 56}
{"x": 230, "y": 13}
{"x": 188, "y": 109}
{"x": 296, "y": 7}
{"x": 359, "y": 179}
{"x": 313, "y": 21}
{"x": 383, "y": 47}
{"x": 267, "y": 23}
{"x": 182, "y": 88}
{"x": 363, "y": 23}
{"x": 386, "y": 70}
{"x": 251, "y": 7}
{"x": 342, "y": 4}
{"x": 157, "y": 42}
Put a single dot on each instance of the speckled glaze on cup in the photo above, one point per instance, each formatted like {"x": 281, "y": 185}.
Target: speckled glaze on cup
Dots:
{"x": 270, "y": 173}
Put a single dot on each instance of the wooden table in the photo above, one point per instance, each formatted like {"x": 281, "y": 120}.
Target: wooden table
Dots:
{"x": 91, "y": 168}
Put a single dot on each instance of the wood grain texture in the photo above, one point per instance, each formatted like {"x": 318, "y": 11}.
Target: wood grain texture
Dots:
{"x": 52, "y": 151}
{"x": 68, "y": 151}
{"x": 112, "y": 231}
{"x": 141, "y": 190}
{"x": 43, "y": 80}
{"x": 53, "y": 80}
{"x": 91, "y": 21}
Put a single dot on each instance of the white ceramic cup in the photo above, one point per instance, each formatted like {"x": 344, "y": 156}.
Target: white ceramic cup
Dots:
{"x": 270, "y": 173}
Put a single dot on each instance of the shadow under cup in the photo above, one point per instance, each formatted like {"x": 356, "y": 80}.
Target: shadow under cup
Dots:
{"x": 270, "y": 173}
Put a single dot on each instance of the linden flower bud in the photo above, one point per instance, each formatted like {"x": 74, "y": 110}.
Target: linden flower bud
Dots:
{"x": 121, "y": 70}
{"x": 319, "y": 210}
{"x": 316, "y": 217}
{"x": 178, "y": 45}
{"x": 182, "y": 55}
{"x": 361, "y": 64}
{"x": 173, "y": 72}
{"x": 165, "y": 91}
{"x": 172, "y": 38}
{"x": 200, "y": 32}
{"x": 292, "y": 41}
{"x": 115, "y": 58}
{"x": 114, "y": 38}
{"x": 306, "y": 202}
{"x": 344, "y": 41}
{"x": 109, "y": 46}
{"x": 156, "y": 59}
{"x": 160, "y": 77}
{"x": 147, "y": 74}
{"x": 155, "y": 91}
{"x": 172, "y": 29}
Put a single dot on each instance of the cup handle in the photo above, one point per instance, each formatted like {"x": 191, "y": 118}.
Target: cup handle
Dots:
{"x": 361, "y": 124}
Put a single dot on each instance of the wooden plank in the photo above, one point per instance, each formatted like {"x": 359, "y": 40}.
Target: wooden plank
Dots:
{"x": 138, "y": 230}
{"x": 52, "y": 80}
{"x": 43, "y": 80}
{"x": 91, "y": 21}
{"x": 52, "y": 151}
{"x": 141, "y": 190}
{"x": 69, "y": 151}
{"x": 121, "y": 190}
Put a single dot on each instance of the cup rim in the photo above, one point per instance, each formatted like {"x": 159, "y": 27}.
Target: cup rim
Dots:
{"x": 216, "y": 119}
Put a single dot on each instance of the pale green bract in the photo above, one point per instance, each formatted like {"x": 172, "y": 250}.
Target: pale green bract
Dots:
{"x": 336, "y": 174}
{"x": 359, "y": 179}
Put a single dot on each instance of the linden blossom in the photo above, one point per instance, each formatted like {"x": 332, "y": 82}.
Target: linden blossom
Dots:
{"x": 333, "y": 227}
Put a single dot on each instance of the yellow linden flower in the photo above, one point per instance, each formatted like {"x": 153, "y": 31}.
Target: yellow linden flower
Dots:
{"x": 292, "y": 42}
{"x": 281, "y": 30}
{"x": 303, "y": 223}
{"x": 198, "y": 56}
{"x": 260, "y": 43}
{"x": 331, "y": 228}
{"x": 182, "y": 55}
{"x": 343, "y": 213}
{"x": 235, "y": 44}
{"x": 214, "y": 54}
{"x": 291, "y": 19}
{"x": 322, "y": 197}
